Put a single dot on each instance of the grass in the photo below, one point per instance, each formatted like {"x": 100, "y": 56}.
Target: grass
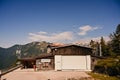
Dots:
{"x": 97, "y": 76}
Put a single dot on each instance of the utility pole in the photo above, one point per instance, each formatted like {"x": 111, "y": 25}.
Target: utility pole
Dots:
{"x": 100, "y": 51}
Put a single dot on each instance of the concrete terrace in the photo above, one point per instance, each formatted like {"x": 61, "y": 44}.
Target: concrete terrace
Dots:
{"x": 30, "y": 74}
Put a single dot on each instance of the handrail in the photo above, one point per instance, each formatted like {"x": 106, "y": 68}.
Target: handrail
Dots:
{"x": 10, "y": 70}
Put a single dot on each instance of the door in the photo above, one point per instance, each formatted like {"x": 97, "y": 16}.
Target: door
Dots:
{"x": 58, "y": 62}
{"x": 72, "y": 62}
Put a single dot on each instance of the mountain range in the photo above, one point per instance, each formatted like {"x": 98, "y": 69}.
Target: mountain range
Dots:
{"x": 9, "y": 56}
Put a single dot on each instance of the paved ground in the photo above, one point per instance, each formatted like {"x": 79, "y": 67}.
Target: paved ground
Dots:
{"x": 30, "y": 74}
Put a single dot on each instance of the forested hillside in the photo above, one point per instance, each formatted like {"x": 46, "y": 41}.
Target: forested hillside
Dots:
{"x": 8, "y": 56}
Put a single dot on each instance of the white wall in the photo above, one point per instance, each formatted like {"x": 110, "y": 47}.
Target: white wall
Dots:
{"x": 72, "y": 62}
{"x": 58, "y": 65}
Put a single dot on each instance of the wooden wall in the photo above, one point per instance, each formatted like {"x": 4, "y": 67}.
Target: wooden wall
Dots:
{"x": 72, "y": 50}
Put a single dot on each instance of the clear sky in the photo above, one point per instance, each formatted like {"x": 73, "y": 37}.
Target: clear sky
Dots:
{"x": 68, "y": 21}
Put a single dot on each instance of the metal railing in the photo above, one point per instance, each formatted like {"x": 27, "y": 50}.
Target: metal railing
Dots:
{"x": 9, "y": 70}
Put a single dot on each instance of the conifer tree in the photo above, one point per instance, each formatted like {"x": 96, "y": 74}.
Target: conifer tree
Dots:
{"x": 103, "y": 47}
{"x": 115, "y": 41}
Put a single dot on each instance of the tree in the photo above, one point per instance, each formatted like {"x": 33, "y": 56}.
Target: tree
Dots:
{"x": 95, "y": 46}
{"x": 92, "y": 44}
{"x": 115, "y": 41}
{"x": 103, "y": 47}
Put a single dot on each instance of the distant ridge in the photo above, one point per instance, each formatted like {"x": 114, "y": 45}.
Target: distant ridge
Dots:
{"x": 8, "y": 57}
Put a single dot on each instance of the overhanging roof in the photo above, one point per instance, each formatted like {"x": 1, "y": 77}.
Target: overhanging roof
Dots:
{"x": 27, "y": 59}
{"x": 71, "y": 45}
{"x": 44, "y": 55}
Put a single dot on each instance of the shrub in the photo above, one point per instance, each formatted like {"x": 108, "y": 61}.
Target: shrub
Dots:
{"x": 109, "y": 66}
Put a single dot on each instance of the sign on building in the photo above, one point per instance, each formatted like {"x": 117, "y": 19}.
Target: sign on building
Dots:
{"x": 45, "y": 60}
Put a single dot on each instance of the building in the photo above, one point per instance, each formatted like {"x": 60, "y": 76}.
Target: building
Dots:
{"x": 69, "y": 57}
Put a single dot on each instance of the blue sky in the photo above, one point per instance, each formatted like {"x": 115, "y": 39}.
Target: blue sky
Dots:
{"x": 66, "y": 21}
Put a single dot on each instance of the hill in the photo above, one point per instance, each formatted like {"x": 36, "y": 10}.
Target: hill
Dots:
{"x": 8, "y": 56}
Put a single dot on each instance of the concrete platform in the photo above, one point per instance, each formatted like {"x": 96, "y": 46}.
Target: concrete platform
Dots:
{"x": 30, "y": 74}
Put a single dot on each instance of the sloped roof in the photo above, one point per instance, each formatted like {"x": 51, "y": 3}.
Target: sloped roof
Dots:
{"x": 27, "y": 59}
{"x": 44, "y": 55}
{"x": 70, "y": 45}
